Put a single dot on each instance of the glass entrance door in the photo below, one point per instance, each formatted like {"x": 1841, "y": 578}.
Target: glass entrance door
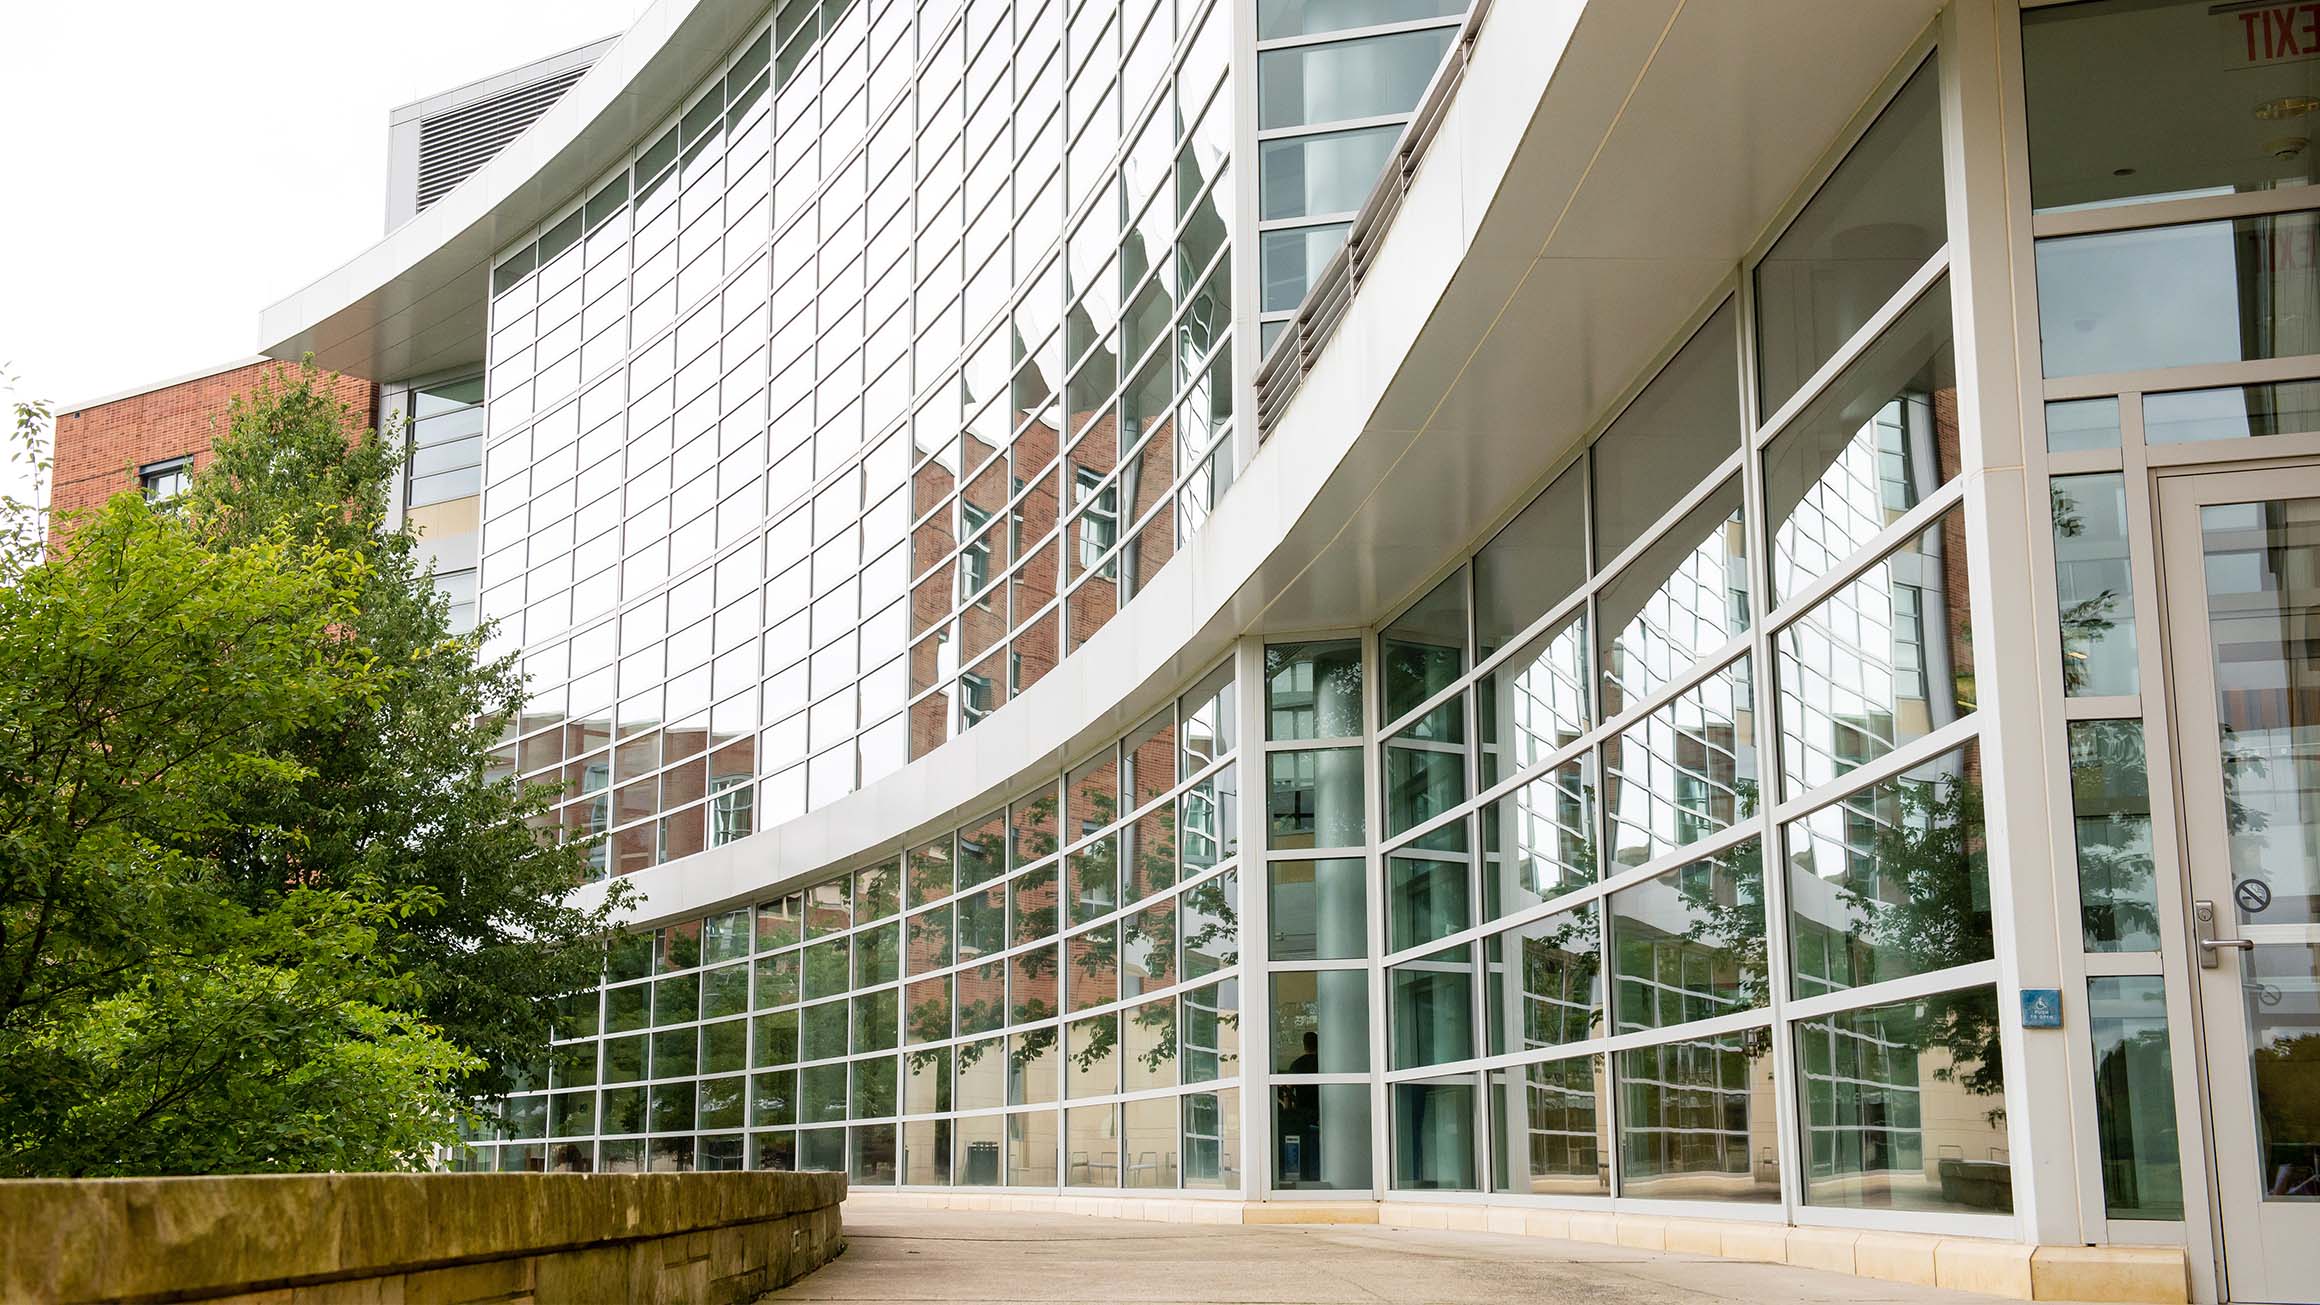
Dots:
{"x": 2242, "y": 551}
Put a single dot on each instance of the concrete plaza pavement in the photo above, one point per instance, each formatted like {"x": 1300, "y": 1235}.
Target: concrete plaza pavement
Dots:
{"x": 988, "y": 1258}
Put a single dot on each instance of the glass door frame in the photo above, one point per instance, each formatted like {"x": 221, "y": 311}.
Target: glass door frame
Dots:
{"x": 2264, "y": 1246}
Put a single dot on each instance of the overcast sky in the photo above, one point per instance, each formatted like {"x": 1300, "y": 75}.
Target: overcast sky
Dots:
{"x": 170, "y": 168}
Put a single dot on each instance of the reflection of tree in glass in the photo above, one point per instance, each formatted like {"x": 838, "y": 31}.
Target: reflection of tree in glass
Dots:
{"x": 1723, "y": 896}
{"x": 2110, "y": 804}
{"x": 2087, "y": 621}
{"x": 1215, "y": 939}
{"x": 930, "y": 873}
{"x": 1921, "y": 900}
{"x": 1560, "y": 971}
{"x": 1092, "y": 1041}
{"x": 1031, "y": 1045}
{"x": 1159, "y": 1020}
{"x": 1033, "y": 832}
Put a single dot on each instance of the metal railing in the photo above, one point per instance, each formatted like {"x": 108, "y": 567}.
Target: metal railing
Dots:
{"x": 1330, "y": 296}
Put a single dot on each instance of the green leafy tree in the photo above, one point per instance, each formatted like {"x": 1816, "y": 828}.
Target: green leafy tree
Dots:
{"x": 149, "y": 1022}
{"x": 396, "y": 788}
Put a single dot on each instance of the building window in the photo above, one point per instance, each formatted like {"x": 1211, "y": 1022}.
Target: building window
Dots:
{"x": 975, "y": 558}
{"x": 446, "y": 442}
{"x": 975, "y": 698}
{"x": 732, "y": 809}
{"x": 1099, "y": 525}
{"x": 163, "y": 481}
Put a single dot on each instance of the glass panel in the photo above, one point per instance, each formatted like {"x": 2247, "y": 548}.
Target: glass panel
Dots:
{"x": 926, "y": 1154}
{"x": 1031, "y": 1143}
{"x": 1092, "y": 1146}
{"x": 2262, "y": 562}
{"x": 1535, "y": 703}
{"x": 1212, "y": 1032}
{"x": 1288, "y": 261}
{"x": 1684, "y": 597}
{"x": 2073, "y": 424}
{"x": 1424, "y": 650}
{"x": 1534, "y": 562}
{"x": 1362, "y": 78}
{"x": 1321, "y": 1022}
{"x": 980, "y": 1139}
{"x": 1904, "y": 1106}
{"x": 1150, "y": 1034}
{"x": 2146, "y": 119}
{"x": 1687, "y": 418}
{"x": 1313, "y": 690}
{"x": 1873, "y": 223}
{"x": 1432, "y": 1004}
{"x": 1148, "y": 1143}
{"x": 1434, "y": 1135}
{"x": 1318, "y": 910}
{"x": 2134, "y": 1088}
{"x": 1425, "y": 778}
{"x": 2203, "y": 292}
{"x": 1276, "y": 18}
{"x": 1689, "y": 944}
{"x": 1321, "y": 1136}
{"x": 1212, "y": 1139}
{"x": 1891, "y": 880}
{"x": 2110, "y": 806}
{"x": 1034, "y": 1068}
{"x": 1538, "y": 842}
{"x": 2263, "y": 590}
{"x": 1427, "y": 897}
{"x": 1696, "y": 1120}
{"x": 1314, "y": 799}
{"x": 1549, "y": 1132}
{"x": 1885, "y": 659}
{"x": 1879, "y": 441}
{"x": 1683, "y": 772}
{"x": 2231, "y": 413}
{"x": 1323, "y": 175}
{"x": 1212, "y": 924}
{"x": 2096, "y": 584}
{"x": 1549, "y": 991}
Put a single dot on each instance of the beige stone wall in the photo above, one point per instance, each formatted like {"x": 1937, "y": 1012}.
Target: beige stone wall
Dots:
{"x": 417, "y": 1239}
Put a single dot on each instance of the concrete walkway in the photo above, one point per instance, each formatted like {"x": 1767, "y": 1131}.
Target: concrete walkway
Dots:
{"x": 931, "y": 1255}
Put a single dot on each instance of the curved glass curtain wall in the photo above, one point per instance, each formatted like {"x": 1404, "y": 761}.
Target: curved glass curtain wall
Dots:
{"x": 1680, "y": 795}
{"x": 861, "y": 394}
{"x": 1046, "y": 996}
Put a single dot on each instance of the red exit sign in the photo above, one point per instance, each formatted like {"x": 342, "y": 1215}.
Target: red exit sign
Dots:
{"x": 2259, "y": 33}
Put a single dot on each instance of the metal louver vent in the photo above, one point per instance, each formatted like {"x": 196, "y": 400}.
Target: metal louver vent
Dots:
{"x": 455, "y": 143}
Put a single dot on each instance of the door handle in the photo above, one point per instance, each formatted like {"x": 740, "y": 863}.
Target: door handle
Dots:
{"x": 2203, "y": 933}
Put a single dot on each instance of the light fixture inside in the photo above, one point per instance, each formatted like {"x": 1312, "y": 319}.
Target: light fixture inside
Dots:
{"x": 2286, "y": 106}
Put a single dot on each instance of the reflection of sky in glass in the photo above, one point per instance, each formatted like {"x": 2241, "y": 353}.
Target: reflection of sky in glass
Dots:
{"x": 2119, "y": 302}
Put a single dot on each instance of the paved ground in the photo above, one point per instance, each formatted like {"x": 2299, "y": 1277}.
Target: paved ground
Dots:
{"x": 924, "y": 1255}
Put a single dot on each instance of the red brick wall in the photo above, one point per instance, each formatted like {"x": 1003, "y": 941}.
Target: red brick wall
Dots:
{"x": 99, "y": 449}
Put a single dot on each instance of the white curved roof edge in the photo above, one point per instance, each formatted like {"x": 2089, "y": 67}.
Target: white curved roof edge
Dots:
{"x": 414, "y": 303}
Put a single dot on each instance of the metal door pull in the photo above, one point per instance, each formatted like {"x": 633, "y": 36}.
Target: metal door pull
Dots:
{"x": 2203, "y": 931}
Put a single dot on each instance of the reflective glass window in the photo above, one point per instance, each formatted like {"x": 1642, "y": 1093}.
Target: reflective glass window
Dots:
{"x": 1904, "y": 1106}
{"x": 1550, "y": 1128}
{"x": 1872, "y": 224}
{"x": 1891, "y": 880}
{"x": 1689, "y": 944}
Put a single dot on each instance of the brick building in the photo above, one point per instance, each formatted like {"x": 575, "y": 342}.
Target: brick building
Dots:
{"x": 161, "y": 434}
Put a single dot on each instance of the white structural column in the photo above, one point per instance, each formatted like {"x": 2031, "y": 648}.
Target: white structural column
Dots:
{"x": 2009, "y": 633}
{"x": 1256, "y": 904}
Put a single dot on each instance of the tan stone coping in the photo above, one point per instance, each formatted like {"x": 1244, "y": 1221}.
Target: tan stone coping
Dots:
{"x": 2156, "y": 1275}
{"x": 138, "y": 1239}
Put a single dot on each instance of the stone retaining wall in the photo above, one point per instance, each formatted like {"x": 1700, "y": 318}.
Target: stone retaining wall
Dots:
{"x": 417, "y": 1239}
